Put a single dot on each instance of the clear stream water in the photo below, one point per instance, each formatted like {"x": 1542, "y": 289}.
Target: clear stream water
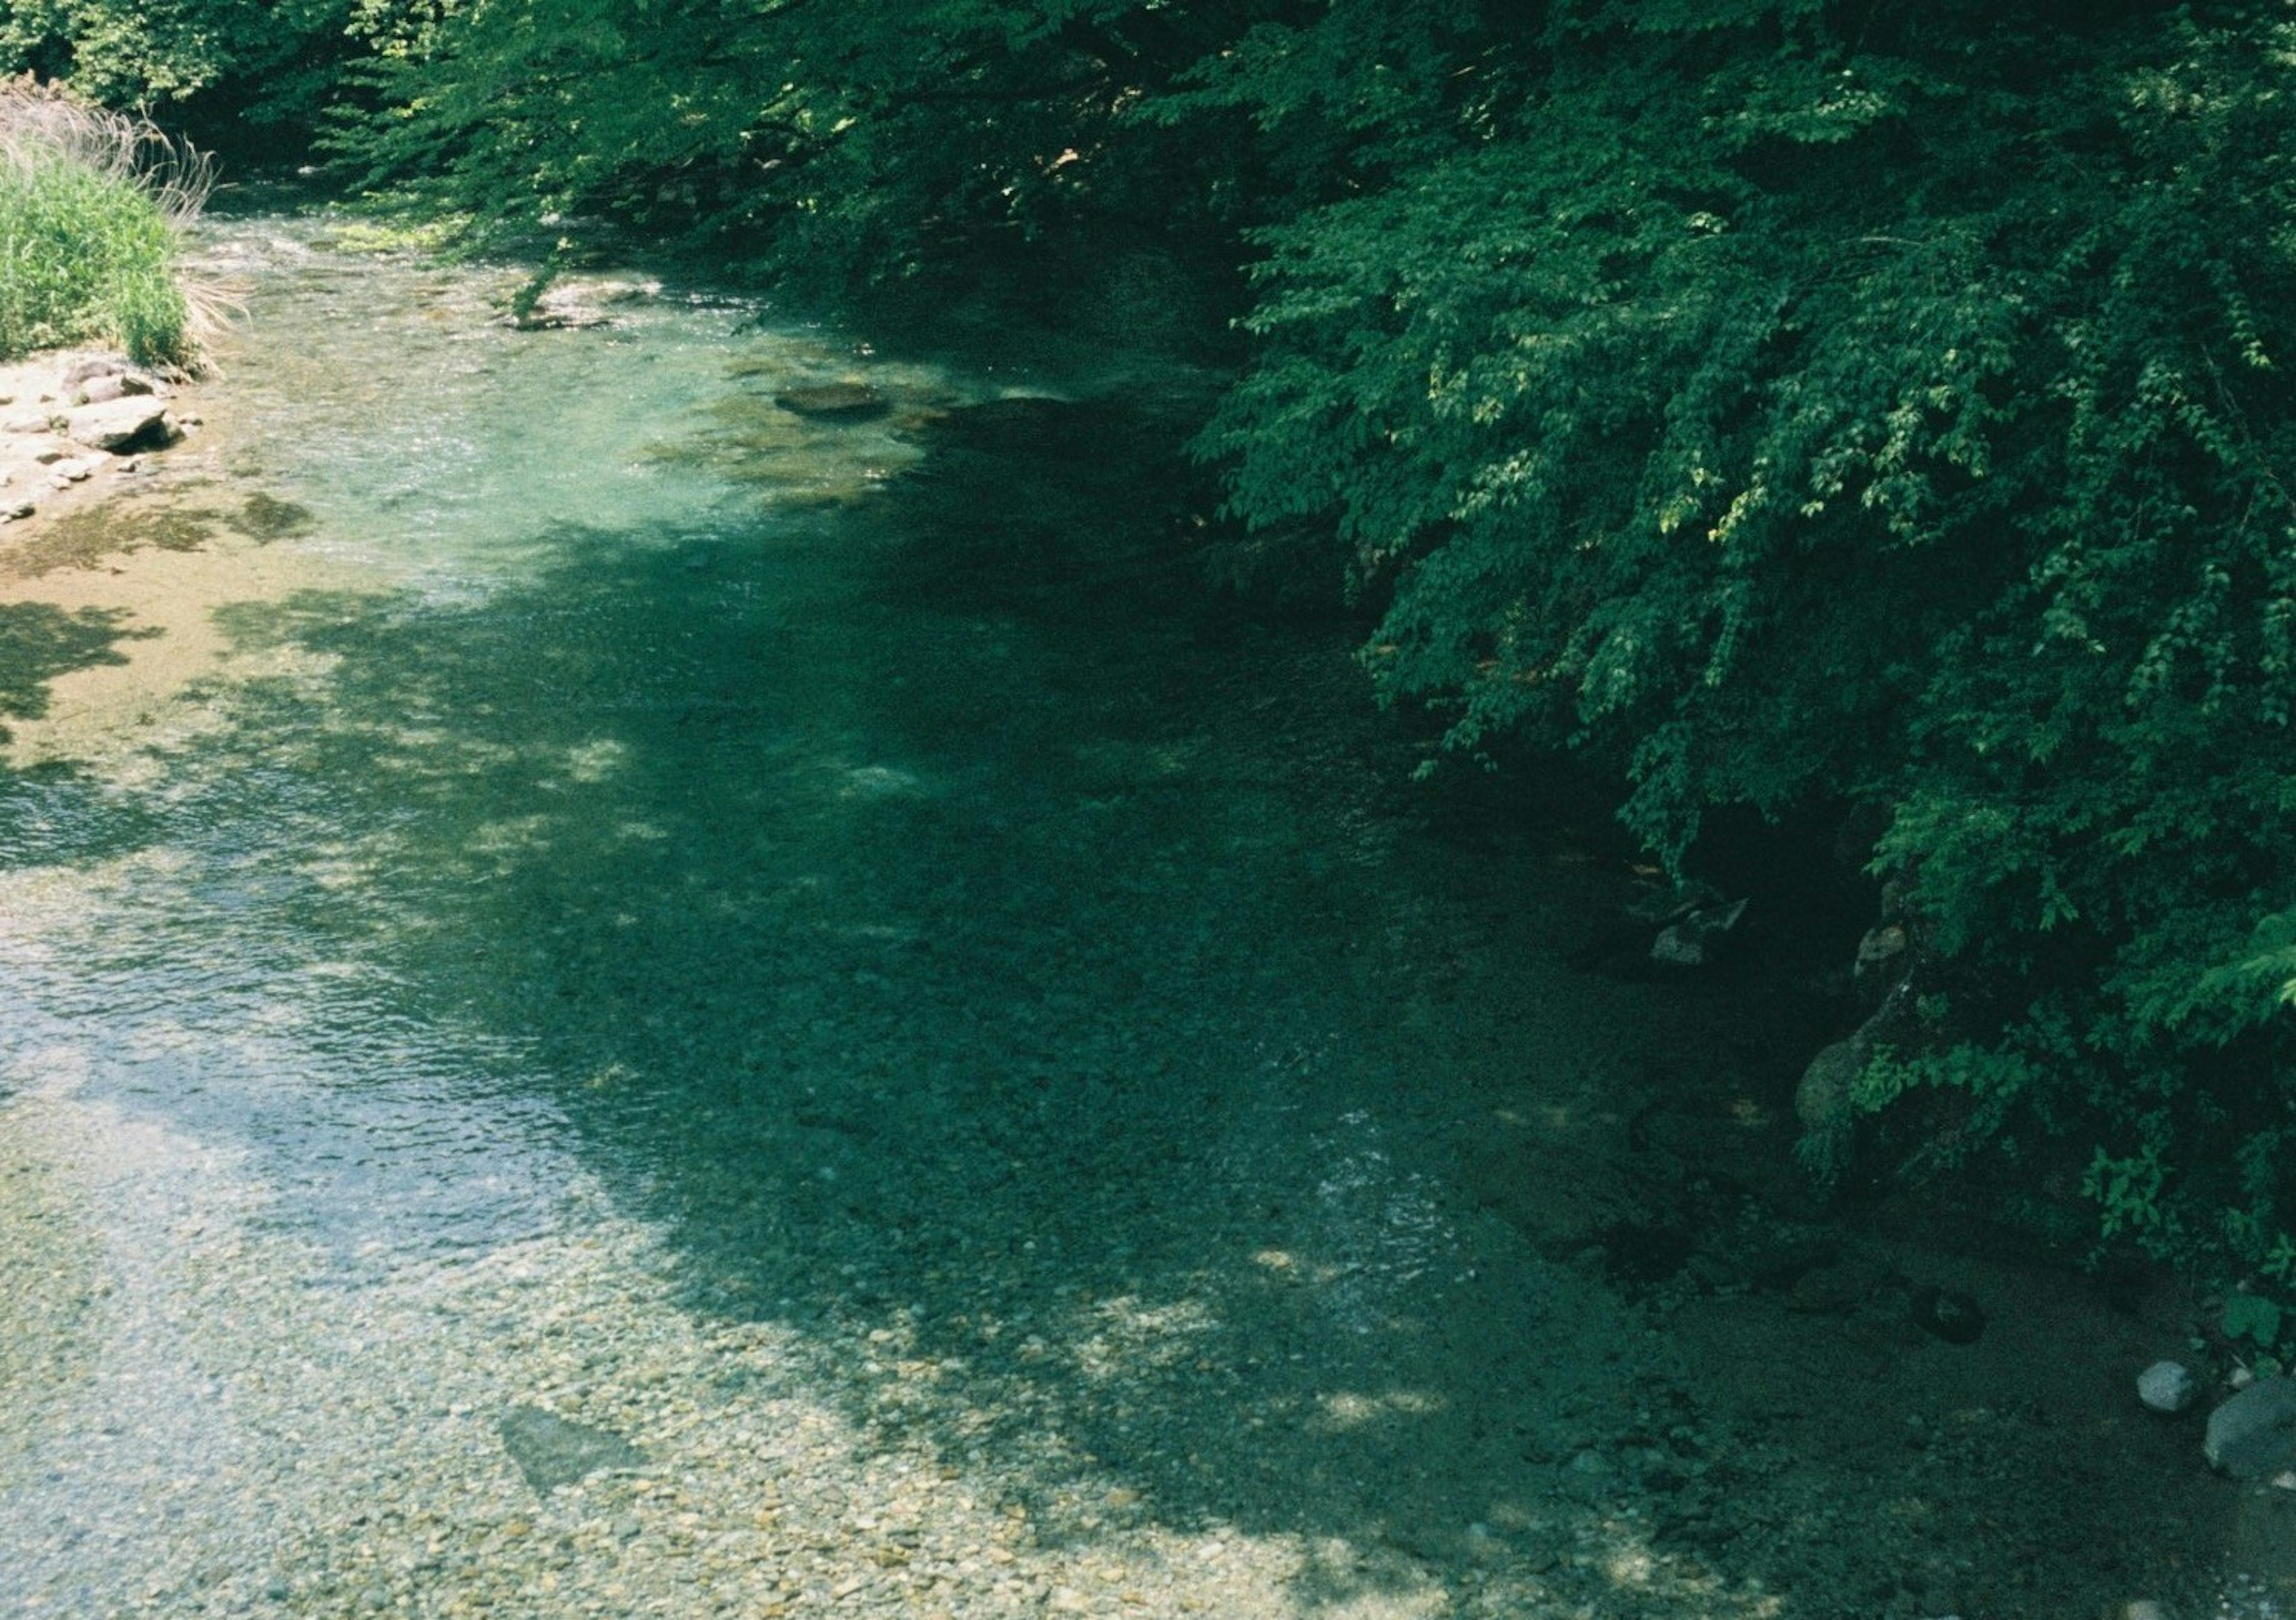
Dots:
{"x": 847, "y": 854}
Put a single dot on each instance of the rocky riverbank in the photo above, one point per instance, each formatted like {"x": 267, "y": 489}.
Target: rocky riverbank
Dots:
{"x": 74, "y": 426}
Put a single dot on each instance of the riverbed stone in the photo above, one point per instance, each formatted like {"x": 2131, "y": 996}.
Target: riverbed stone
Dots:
{"x": 115, "y": 385}
{"x": 841, "y": 401}
{"x": 2167, "y": 1387}
{"x": 119, "y": 425}
{"x": 2253, "y": 1435}
{"x": 552, "y": 1451}
{"x": 84, "y": 369}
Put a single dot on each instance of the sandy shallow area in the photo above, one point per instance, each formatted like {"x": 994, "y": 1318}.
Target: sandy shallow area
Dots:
{"x": 111, "y": 584}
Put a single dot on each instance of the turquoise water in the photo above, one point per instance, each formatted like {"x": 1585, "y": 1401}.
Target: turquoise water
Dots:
{"x": 859, "y": 842}
{"x": 860, "y": 855}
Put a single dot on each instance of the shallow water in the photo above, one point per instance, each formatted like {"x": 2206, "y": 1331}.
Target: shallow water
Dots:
{"x": 846, "y": 871}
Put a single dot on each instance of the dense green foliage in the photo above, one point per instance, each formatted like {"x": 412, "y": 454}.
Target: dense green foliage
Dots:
{"x": 1786, "y": 402}
{"x": 1887, "y": 410}
{"x": 87, "y": 246}
{"x": 270, "y": 58}
{"x": 826, "y": 146}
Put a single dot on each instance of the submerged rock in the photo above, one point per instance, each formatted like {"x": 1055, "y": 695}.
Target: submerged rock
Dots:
{"x": 552, "y": 1451}
{"x": 2253, "y": 1435}
{"x": 1638, "y": 1251}
{"x": 1023, "y": 422}
{"x": 1838, "y": 1289}
{"x": 559, "y": 317}
{"x": 847, "y": 401}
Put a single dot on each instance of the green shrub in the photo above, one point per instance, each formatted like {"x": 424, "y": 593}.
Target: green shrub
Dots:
{"x": 91, "y": 206}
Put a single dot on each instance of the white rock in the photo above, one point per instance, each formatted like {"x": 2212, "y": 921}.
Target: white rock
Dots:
{"x": 2167, "y": 1387}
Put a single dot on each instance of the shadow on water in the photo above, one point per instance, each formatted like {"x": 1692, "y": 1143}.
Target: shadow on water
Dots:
{"x": 973, "y": 966}
{"x": 39, "y": 641}
{"x": 122, "y": 526}
{"x": 980, "y": 966}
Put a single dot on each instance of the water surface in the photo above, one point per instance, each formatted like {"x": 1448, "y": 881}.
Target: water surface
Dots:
{"x": 811, "y": 945}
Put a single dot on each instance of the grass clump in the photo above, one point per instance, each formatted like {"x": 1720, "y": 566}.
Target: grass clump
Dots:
{"x": 92, "y": 204}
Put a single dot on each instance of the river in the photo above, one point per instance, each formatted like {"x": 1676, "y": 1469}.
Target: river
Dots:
{"x": 672, "y": 1008}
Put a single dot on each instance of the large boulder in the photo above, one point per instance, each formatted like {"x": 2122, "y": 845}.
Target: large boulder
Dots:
{"x": 2253, "y": 1435}
{"x": 137, "y": 423}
